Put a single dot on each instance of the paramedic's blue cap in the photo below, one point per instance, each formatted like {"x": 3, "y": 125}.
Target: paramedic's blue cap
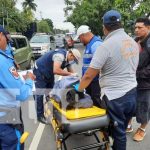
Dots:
{"x": 111, "y": 17}
{"x": 3, "y": 31}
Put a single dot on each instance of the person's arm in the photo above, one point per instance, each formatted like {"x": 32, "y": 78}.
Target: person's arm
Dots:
{"x": 70, "y": 69}
{"x": 99, "y": 59}
{"x": 144, "y": 72}
{"x": 89, "y": 75}
{"x": 58, "y": 60}
{"x": 57, "y": 69}
{"x": 11, "y": 80}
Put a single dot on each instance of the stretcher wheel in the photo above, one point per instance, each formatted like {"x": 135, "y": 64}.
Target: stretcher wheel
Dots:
{"x": 24, "y": 137}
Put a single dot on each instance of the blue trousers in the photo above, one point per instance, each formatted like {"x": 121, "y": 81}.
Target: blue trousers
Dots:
{"x": 43, "y": 87}
{"x": 121, "y": 110}
{"x": 9, "y": 137}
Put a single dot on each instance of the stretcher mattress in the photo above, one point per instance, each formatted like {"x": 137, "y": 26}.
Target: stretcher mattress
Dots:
{"x": 79, "y": 120}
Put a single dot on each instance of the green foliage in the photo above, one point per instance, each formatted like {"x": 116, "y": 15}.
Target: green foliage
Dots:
{"x": 16, "y": 21}
{"x": 12, "y": 18}
{"x": 90, "y": 12}
{"x": 29, "y": 4}
{"x": 43, "y": 26}
{"x": 50, "y": 23}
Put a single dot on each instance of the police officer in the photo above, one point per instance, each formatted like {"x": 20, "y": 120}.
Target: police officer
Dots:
{"x": 12, "y": 90}
{"x": 92, "y": 42}
{"x": 50, "y": 64}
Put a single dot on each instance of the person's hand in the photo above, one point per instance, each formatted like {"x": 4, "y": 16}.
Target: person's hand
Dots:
{"x": 76, "y": 87}
{"x": 29, "y": 75}
{"x": 74, "y": 74}
{"x": 17, "y": 66}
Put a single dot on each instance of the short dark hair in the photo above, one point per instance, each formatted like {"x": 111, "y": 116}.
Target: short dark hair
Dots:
{"x": 144, "y": 20}
{"x": 112, "y": 27}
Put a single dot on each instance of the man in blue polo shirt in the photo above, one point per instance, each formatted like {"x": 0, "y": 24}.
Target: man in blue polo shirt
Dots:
{"x": 91, "y": 42}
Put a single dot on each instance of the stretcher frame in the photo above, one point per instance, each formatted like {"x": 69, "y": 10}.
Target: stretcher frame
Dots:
{"x": 59, "y": 125}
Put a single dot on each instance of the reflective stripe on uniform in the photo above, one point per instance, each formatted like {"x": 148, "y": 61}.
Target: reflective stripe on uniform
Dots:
{"x": 86, "y": 65}
{"x": 87, "y": 55}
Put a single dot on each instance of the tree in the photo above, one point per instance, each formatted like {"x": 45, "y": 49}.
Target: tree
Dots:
{"x": 50, "y": 23}
{"x": 42, "y": 26}
{"x": 90, "y": 12}
{"x": 29, "y": 4}
{"x": 11, "y": 17}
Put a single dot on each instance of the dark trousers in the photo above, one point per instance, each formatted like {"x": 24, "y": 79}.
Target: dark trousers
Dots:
{"x": 94, "y": 91}
{"x": 43, "y": 87}
{"x": 121, "y": 110}
{"x": 10, "y": 136}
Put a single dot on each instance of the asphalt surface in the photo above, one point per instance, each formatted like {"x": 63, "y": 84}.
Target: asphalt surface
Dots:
{"x": 42, "y": 136}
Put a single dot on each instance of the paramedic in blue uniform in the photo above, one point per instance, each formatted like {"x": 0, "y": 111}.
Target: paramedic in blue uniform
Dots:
{"x": 50, "y": 64}
{"x": 10, "y": 82}
{"x": 91, "y": 42}
{"x": 117, "y": 60}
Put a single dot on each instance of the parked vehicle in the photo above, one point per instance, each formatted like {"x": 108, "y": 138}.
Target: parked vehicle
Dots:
{"x": 22, "y": 52}
{"x": 60, "y": 40}
{"x": 41, "y": 43}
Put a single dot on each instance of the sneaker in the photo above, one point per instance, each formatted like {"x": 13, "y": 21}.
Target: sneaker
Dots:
{"x": 129, "y": 129}
{"x": 43, "y": 120}
{"x": 139, "y": 135}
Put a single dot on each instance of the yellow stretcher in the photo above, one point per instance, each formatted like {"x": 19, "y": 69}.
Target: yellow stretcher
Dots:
{"x": 78, "y": 121}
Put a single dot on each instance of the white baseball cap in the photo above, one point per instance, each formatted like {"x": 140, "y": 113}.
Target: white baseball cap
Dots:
{"x": 76, "y": 54}
{"x": 81, "y": 30}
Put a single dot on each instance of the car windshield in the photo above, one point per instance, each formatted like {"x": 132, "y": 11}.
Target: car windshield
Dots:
{"x": 40, "y": 39}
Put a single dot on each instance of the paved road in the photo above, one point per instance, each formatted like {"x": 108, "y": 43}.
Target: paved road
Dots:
{"x": 42, "y": 137}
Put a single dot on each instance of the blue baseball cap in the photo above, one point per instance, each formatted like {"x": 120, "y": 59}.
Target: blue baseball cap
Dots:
{"x": 111, "y": 17}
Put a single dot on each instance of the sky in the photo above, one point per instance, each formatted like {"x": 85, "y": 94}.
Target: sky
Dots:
{"x": 52, "y": 9}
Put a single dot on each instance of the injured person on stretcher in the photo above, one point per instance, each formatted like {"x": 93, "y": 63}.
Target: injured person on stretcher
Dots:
{"x": 63, "y": 93}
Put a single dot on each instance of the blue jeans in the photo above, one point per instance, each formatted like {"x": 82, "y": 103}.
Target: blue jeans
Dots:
{"x": 121, "y": 110}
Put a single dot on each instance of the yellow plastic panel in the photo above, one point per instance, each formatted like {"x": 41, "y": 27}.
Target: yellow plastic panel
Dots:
{"x": 79, "y": 113}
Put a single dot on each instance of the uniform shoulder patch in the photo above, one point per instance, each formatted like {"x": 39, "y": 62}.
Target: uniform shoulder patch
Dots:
{"x": 14, "y": 72}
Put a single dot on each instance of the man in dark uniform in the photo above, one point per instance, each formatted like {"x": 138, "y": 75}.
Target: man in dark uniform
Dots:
{"x": 50, "y": 64}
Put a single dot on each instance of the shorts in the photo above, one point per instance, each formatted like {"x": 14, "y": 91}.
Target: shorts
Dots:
{"x": 143, "y": 106}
